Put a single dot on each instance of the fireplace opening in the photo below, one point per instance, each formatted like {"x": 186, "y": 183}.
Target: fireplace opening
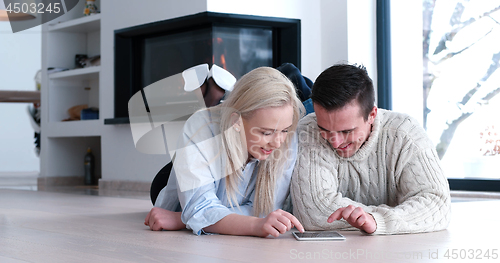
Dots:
{"x": 238, "y": 43}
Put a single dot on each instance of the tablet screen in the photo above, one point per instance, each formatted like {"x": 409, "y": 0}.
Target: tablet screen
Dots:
{"x": 319, "y": 235}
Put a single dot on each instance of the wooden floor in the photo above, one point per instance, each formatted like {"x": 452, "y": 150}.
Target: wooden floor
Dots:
{"x": 38, "y": 226}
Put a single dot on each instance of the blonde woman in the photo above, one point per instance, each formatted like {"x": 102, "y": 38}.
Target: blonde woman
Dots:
{"x": 232, "y": 171}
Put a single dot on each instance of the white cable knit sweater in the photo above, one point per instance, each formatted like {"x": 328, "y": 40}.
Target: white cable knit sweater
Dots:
{"x": 395, "y": 176}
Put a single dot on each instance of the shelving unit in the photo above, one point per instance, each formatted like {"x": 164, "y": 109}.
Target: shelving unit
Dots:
{"x": 65, "y": 142}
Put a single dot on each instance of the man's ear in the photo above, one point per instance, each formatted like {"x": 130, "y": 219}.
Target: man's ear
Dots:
{"x": 372, "y": 115}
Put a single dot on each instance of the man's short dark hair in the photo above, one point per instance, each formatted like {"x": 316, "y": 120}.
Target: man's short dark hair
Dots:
{"x": 340, "y": 84}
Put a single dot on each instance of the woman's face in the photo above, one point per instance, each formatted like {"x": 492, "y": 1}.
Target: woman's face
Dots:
{"x": 266, "y": 129}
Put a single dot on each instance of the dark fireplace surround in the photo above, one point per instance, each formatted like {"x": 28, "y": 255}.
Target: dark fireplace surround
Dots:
{"x": 150, "y": 52}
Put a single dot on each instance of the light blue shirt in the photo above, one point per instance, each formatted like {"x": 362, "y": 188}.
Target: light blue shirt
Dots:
{"x": 197, "y": 185}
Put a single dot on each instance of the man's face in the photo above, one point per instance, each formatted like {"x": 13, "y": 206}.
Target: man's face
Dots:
{"x": 345, "y": 129}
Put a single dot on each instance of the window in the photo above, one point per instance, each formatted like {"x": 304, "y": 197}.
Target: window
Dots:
{"x": 461, "y": 66}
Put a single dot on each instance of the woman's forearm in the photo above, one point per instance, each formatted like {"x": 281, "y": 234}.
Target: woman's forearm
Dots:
{"x": 234, "y": 224}
{"x": 276, "y": 223}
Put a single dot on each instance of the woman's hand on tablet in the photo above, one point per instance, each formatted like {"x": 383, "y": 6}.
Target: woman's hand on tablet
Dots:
{"x": 276, "y": 223}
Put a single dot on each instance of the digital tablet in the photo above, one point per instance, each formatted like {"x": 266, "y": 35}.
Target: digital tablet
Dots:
{"x": 318, "y": 235}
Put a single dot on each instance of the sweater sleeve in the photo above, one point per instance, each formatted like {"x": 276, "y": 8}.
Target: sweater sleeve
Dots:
{"x": 423, "y": 198}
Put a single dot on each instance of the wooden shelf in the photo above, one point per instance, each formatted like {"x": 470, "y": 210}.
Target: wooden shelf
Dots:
{"x": 80, "y": 25}
{"x": 77, "y": 74}
{"x": 82, "y": 128}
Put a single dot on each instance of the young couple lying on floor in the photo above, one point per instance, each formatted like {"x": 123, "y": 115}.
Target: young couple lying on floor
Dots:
{"x": 347, "y": 165}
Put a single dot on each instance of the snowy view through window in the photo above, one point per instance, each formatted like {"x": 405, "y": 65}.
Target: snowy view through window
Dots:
{"x": 461, "y": 52}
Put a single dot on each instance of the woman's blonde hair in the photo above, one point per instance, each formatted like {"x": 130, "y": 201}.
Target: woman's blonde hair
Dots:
{"x": 260, "y": 88}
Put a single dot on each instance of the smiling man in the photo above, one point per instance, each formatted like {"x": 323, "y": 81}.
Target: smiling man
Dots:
{"x": 363, "y": 167}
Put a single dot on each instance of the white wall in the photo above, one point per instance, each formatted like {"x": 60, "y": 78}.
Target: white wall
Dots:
{"x": 348, "y": 34}
{"x": 334, "y": 33}
{"x": 361, "y": 22}
{"x": 406, "y": 44}
{"x": 20, "y": 56}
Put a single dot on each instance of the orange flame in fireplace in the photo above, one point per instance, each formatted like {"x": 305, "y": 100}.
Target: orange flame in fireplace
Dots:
{"x": 223, "y": 61}
{"x": 222, "y": 57}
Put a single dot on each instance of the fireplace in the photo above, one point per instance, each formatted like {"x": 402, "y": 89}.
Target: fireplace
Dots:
{"x": 239, "y": 43}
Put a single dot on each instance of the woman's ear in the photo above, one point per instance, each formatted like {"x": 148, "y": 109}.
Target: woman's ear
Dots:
{"x": 236, "y": 121}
